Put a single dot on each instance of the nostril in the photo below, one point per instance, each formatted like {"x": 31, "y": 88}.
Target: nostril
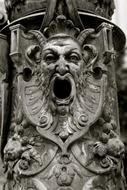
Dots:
{"x": 62, "y": 69}
{"x": 67, "y": 67}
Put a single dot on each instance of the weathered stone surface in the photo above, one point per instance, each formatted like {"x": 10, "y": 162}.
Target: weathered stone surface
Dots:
{"x": 59, "y": 114}
{"x": 20, "y": 8}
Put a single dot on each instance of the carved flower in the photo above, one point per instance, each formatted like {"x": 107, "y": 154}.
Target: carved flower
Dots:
{"x": 66, "y": 176}
{"x": 104, "y": 137}
{"x": 25, "y": 161}
{"x": 115, "y": 147}
{"x": 24, "y": 164}
{"x": 13, "y": 149}
{"x": 100, "y": 149}
{"x": 105, "y": 163}
{"x": 107, "y": 127}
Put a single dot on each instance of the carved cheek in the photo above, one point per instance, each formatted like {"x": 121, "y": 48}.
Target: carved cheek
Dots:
{"x": 77, "y": 68}
{"x": 50, "y": 67}
{"x": 82, "y": 64}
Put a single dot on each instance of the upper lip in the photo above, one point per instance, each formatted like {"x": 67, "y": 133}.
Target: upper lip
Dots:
{"x": 65, "y": 76}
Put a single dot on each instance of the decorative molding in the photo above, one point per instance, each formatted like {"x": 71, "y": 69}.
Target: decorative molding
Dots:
{"x": 19, "y": 8}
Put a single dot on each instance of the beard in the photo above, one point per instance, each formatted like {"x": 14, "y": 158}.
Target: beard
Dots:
{"x": 58, "y": 105}
{"x": 43, "y": 83}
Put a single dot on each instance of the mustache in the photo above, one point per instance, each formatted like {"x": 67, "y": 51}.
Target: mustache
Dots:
{"x": 43, "y": 81}
{"x": 45, "y": 77}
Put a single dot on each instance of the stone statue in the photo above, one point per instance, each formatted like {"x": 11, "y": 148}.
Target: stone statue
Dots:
{"x": 59, "y": 114}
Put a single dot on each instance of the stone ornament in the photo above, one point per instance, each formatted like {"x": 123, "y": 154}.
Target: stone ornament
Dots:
{"x": 19, "y": 8}
{"x": 60, "y": 127}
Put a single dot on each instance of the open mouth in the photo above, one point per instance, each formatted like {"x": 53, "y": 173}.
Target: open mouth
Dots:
{"x": 63, "y": 89}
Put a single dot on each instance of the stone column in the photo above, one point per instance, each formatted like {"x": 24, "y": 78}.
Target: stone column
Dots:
{"x": 60, "y": 122}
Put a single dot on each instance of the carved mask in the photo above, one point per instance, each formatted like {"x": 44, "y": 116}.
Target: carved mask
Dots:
{"x": 62, "y": 61}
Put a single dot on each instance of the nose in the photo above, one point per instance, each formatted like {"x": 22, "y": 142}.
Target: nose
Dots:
{"x": 62, "y": 66}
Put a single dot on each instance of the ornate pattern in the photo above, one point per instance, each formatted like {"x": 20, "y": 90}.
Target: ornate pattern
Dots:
{"x": 20, "y": 8}
{"x": 63, "y": 125}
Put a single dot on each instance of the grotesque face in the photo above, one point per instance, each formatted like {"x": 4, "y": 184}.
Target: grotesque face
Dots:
{"x": 65, "y": 89}
{"x": 62, "y": 61}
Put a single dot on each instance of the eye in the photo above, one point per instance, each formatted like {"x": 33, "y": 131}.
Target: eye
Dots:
{"x": 74, "y": 57}
{"x": 50, "y": 58}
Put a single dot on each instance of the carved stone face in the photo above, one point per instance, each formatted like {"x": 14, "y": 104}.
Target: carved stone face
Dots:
{"x": 65, "y": 83}
{"x": 63, "y": 61}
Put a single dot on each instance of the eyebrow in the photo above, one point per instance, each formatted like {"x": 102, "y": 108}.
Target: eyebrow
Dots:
{"x": 53, "y": 50}
{"x": 61, "y": 44}
{"x": 50, "y": 49}
{"x": 71, "y": 50}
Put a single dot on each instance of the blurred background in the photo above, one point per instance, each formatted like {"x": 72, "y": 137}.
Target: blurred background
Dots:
{"x": 120, "y": 15}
